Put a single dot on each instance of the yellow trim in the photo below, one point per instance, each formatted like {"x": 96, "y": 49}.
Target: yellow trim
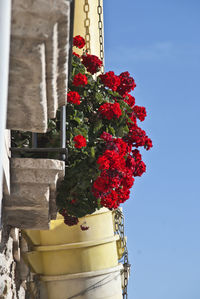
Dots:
{"x": 76, "y": 245}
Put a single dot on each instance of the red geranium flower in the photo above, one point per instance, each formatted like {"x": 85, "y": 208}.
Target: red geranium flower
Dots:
{"x": 104, "y": 162}
{"x": 92, "y": 63}
{"x": 110, "y": 200}
{"x": 80, "y": 141}
{"x": 84, "y": 226}
{"x": 140, "y": 168}
{"x": 127, "y": 180}
{"x": 102, "y": 183}
{"x": 130, "y": 163}
{"x": 140, "y": 112}
{"x": 130, "y": 100}
{"x": 80, "y": 79}
{"x": 68, "y": 219}
{"x": 121, "y": 146}
{"x": 116, "y": 110}
{"x": 110, "y": 80}
{"x": 127, "y": 84}
{"x": 111, "y": 160}
{"x": 109, "y": 110}
{"x": 136, "y": 154}
{"x": 78, "y": 42}
{"x": 148, "y": 143}
{"x": 106, "y": 136}
{"x": 73, "y": 97}
{"x": 136, "y": 135}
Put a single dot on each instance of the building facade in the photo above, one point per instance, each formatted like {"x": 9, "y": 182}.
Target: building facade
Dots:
{"x": 37, "y": 39}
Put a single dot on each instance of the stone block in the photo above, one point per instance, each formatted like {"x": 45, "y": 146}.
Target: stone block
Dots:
{"x": 30, "y": 195}
{"x": 27, "y": 101}
{"x": 27, "y": 218}
{"x": 29, "y": 163}
{"x": 38, "y": 62}
{"x": 32, "y": 201}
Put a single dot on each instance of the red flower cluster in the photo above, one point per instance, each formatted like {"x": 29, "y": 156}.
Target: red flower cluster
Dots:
{"x": 130, "y": 100}
{"x": 119, "y": 146}
{"x": 78, "y": 42}
{"x": 73, "y": 97}
{"x": 127, "y": 84}
{"x": 140, "y": 168}
{"x": 106, "y": 136}
{"x": 140, "y": 112}
{"x": 148, "y": 143}
{"x": 120, "y": 162}
{"x": 136, "y": 154}
{"x": 80, "y": 80}
{"x": 84, "y": 227}
{"x": 80, "y": 141}
{"x": 69, "y": 220}
{"x": 110, "y": 80}
{"x": 92, "y": 63}
{"x": 111, "y": 160}
{"x": 116, "y": 178}
{"x": 109, "y": 110}
{"x": 119, "y": 165}
{"x": 137, "y": 137}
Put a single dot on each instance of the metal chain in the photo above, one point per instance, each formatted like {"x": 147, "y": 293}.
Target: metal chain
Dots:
{"x": 126, "y": 273}
{"x": 86, "y": 9}
{"x": 119, "y": 229}
{"x": 100, "y": 26}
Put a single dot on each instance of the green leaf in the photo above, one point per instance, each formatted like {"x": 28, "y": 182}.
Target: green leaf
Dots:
{"x": 76, "y": 131}
{"x": 111, "y": 130}
{"x": 92, "y": 150}
{"x": 99, "y": 97}
{"x": 99, "y": 206}
{"x": 97, "y": 126}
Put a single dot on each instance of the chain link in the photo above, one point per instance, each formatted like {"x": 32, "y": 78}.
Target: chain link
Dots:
{"x": 119, "y": 229}
{"x": 86, "y": 9}
{"x": 100, "y": 26}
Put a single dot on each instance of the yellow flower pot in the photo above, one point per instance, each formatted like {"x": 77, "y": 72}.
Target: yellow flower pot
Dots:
{"x": 104, "y": 284}
{"x": 73, "y": 257}
{"x": 100, "y": 226}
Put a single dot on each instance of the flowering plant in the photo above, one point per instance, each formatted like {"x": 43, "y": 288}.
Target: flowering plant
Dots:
{"x": 103, "y": 138}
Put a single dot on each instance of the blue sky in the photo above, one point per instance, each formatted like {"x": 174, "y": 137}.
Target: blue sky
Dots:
{"x": 158, "y": 42}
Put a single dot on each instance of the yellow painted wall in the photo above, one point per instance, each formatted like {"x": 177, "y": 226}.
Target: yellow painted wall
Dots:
{"x": 79, "y": 28}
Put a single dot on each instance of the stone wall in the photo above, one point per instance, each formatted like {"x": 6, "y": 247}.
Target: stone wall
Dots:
{"x": 12, "y": 285}
{"x": 38, "y": 76}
